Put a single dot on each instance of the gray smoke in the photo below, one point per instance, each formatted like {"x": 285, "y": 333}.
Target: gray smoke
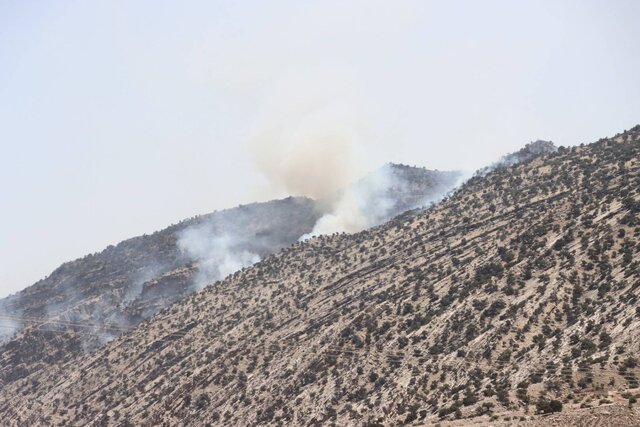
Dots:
{"x": 227, "y": 241}
{"x": 218, "y": 254}
{"x": 9, "y": 319}
{"x": 309, "y": 139}
{"x": 315, "y": 150}
{"x": 96, "y": 321}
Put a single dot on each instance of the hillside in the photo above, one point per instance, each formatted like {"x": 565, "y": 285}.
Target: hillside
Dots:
{"x": 146, "y": 273}
{"x": 87, "y": 302}
{"x": 519, "y": 289}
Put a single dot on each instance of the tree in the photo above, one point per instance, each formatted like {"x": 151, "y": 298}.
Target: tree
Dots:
{"x": 548, "y": 406}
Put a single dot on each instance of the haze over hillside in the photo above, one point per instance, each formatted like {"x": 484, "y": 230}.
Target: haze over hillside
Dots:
{"x": 122, "y": 285}
{"x": 518, "y": 290}
{"x": 103, "y": 295}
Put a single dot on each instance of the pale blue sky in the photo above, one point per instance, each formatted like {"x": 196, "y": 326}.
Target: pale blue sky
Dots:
{"x": 120, "y": 117}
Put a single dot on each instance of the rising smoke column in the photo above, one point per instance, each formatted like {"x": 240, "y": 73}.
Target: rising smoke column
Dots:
{"x": 310, "y": 137}
{"x": 314, "y": 156}
{"x": 312, "y": 141}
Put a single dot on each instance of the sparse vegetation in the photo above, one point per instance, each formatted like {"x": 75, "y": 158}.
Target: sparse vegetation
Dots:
{"x": 507, "y": 295}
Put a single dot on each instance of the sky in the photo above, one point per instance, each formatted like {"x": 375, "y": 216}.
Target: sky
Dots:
{"x": 119, "y": 118}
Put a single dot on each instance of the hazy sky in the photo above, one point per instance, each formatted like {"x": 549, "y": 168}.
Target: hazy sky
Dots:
{"x": 121, "y": 117}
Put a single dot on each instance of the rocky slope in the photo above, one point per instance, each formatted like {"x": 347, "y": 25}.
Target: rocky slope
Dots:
{"x": 141, "y": 275}
{"x": 87, "y": 302}
{"x": 520, "y": 289}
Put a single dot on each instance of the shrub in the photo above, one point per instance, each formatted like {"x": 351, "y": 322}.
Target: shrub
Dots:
{"x": 494, "y": 309}
{"x": 487, "y": 271}
{"x": 203, "y": 401}
{"x": 548, "y": 406}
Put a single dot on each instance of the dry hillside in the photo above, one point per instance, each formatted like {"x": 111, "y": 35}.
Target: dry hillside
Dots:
{"x": 520, "y": 289}
{"x": 87, "y": 302}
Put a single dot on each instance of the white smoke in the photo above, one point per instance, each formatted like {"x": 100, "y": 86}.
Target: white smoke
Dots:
{"x": 9, "y": 321}
{"x": 217, "y": 254}
{"x": 313, "y": 139}
{"x": 364, "y": 204}
{"x": 378, "y": 197}
{"x": 530, "y": 151}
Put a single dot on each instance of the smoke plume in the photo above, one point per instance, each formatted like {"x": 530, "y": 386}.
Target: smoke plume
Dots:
{"x": 313, "y": 140}
{"x": 227, "y": 241}
{"x": 217, "y": 255}
{"x": 9, "y": 320}
{"x": 309, "y": 139}
{"x": 383, "y": 194}
{"x": 313, "y": 156}
{"x": 361, "y": 205}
